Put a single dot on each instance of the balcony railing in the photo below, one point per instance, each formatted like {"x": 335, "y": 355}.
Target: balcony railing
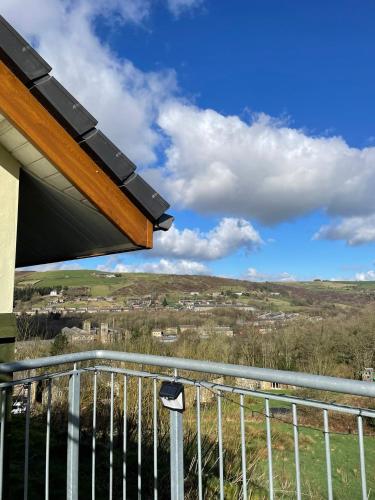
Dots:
{"x": 95, "y": 428}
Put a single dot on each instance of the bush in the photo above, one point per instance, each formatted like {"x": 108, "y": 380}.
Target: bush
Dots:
{"x": 59, "y": 345}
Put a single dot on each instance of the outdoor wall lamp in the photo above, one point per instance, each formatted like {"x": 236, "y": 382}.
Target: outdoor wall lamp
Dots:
{"x": 172, "y": 396}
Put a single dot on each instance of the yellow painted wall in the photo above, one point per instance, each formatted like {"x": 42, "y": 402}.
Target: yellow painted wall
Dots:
{"x": 9, "y": 180}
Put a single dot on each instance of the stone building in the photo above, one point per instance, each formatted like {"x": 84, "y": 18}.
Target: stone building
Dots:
{"x": 77, "y": 335}
{"x": 253, "y": 385}
{"x": 87, "y": 326}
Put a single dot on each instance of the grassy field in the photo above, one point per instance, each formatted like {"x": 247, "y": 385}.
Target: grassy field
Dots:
{"x": 344, "y": 454}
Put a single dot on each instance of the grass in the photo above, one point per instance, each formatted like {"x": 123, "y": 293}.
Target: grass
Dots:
{"x": 344, "y": 456}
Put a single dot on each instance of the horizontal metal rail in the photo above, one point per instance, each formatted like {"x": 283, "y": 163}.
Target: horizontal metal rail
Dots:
{"x": 214, "y": 386}
{"x": 37, "y": 378}
{"x": 298, "y": 379}
{"x": 364, "y": 412}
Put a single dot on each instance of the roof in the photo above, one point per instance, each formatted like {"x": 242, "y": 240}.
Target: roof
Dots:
{"x": 80, "y": 194}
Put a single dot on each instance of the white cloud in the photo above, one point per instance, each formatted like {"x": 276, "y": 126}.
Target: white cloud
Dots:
{"x": 177, "y": 7}
{"x": 253, "y": 275}
{"x": 124, "y": 99}
{"x": 367, "y": 276}
{"x": 354, "y": 230}
{"x": 263, "y": 169}
{"x": 163, "y": 266}
{"x": 224, "y": 239}
{"x": 55, "y": 266}
{"x": 36, "y": 16}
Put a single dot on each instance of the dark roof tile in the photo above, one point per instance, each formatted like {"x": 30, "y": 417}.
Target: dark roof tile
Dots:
{"x": 20, "y": 56}
{"x": 63, "y": 106}
{"x": 145, "y": 195}
{"x": 107, "y": 155}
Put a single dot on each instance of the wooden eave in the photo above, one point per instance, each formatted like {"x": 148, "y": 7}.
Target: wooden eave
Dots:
{"x": 39, "y": 127}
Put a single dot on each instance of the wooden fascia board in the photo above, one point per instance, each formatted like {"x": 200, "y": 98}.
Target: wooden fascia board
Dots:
{"x": 39, "y": 127}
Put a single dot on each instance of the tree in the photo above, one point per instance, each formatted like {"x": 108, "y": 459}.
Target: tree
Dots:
{"x": 59, "y": 345}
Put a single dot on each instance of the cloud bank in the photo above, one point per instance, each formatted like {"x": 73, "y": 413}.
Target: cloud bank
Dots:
{"x": 366, "y": 276}
{"x": 354, "y": 230}
{"x": 163, "y": 266}
{"x": 226, "y": 238}
{"x": 262, "y": 169}
{"x": 253, "y": 274}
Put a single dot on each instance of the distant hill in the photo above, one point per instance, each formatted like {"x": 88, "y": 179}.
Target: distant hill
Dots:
{"x": 283, "y": 296}
{"x": 103, "y": 283}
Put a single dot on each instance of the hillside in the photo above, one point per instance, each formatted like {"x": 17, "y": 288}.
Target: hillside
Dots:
{"x": 286, "y": 296}
{"x": 103, "y": 283}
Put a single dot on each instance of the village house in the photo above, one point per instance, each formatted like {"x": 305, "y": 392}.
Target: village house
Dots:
{"x": 157, "y": 333}
{"x": 253, "y": 385}
{"x": 77, "y": 335}
{"x": 165, "y": 332}
{"x": 103, "y": 334}
{"x": 207, "y": 331}
{"x": 188, "y": 328}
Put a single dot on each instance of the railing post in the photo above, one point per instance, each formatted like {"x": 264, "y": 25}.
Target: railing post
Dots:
{"x": 177, "y": 455}
{"x": 73, "y": 437}
{"x": 173, "y": 397}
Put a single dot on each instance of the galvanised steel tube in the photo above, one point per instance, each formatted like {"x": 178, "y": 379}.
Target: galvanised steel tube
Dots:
{"x": 27, "y": 446}
{"x": 269, "y": 448}
{"x": 139, "y": 438}
{"x": 72, "y": 467}
{"x": 93, "y": 442}
{"x": 243, "y": 448}
{"x": 155, "y": 437}
{"x": 48, "y": 435}
{"x": 111, "y": 439}
{"x": 328, "y": 455}
{"x": 362, "y": 458}
{"x": 220, "y": 444}
{"x": 296, "y": 452}
{"x": 176, "y": 454}
{"x": 298, "y": 379}
{"x": 199, "y": 443}
{"x": 239, "y": 390}
{"x": 125, "y": 438}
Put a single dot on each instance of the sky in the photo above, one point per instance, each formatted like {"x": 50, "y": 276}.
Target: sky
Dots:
{"x": 254, "y": 119}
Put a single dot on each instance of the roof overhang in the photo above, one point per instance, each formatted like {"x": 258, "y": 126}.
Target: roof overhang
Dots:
{"x": 79, "y": 195}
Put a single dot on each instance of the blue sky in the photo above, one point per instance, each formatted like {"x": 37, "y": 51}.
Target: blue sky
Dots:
{"x": 254, "y": 119}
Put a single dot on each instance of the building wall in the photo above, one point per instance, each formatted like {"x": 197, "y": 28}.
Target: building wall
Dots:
{"x": 9, "y": 180}
{"x": 104, "y": 333}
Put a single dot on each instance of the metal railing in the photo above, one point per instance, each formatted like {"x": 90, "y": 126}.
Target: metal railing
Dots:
{"x": 119, "y": 443}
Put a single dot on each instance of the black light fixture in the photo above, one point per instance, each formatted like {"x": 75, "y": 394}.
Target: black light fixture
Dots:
{"x": 172, "y": 396}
